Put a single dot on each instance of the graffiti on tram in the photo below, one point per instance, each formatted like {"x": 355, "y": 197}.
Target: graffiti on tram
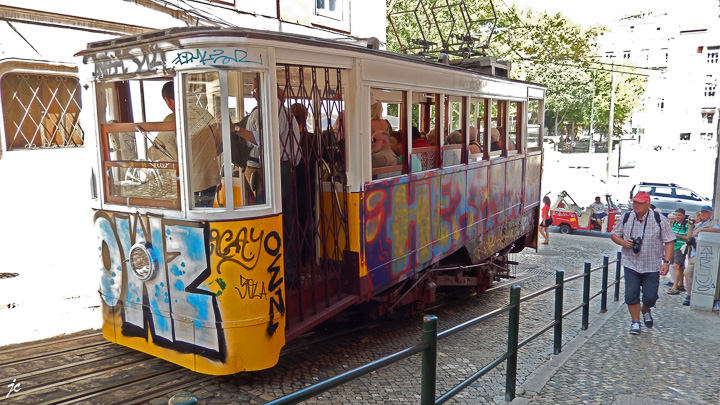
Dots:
{"x": 202, "y": 275}
{"x": 174, "y": 302}
{"x": 484, "y": 204}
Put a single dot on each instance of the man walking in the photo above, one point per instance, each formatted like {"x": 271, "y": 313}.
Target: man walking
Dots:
{"x": 680, "y": 229}
{"x": 642, "y": 234}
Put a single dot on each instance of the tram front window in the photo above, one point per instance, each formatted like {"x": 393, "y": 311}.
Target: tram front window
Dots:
{"x": 133, "y": 130}
{"x": 204, "y": 128}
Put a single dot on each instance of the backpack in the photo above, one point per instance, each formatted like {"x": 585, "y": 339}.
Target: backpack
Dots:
{"x": 239, "y": 147}
{"x": 657, "y": 219}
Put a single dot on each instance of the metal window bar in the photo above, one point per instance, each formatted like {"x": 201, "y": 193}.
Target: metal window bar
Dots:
{"x": 41, "y": 111}
{"x": 318, "y": 233}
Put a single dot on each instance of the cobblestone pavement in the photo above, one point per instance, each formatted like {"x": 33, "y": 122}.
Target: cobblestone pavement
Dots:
{"x": 677, "y": 361}
{"x": 459, "y": 356}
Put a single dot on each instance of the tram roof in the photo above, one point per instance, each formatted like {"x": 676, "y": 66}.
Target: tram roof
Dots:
{"x": 173, "y": 36}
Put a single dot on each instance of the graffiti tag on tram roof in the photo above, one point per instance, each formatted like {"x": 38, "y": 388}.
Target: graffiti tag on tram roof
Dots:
{"x": 215, "y": 57}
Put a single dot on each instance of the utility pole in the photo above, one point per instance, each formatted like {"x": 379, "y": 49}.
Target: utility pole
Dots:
{"x": 610, "y": 128}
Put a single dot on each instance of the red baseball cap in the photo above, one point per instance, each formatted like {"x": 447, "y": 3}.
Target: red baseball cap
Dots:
{"x": 641, "y": 197}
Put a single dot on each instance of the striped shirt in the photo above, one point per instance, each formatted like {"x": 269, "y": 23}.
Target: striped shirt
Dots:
{"x": 654, "y": 238}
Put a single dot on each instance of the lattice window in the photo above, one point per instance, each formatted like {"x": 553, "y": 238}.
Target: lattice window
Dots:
{"x": 41, "y": 111}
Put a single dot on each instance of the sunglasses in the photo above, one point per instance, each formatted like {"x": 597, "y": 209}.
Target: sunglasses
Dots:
{"x": 374, "y": 140}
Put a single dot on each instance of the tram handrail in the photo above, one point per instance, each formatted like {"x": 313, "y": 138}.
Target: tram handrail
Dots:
{"x": 428, "y": 346}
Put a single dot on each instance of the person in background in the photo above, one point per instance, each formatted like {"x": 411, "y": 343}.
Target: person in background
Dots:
{"x": 382, "y": 154}
{"x": 546, "y": 220}
{"x": 680, "y": 228}
{"x": 495, "y": 139}
{"x": 432, "y": 137}
{"x": 598, "y": 212}
{"x": 417, "y": 140}
{"x": 704, "y": 222}
{"x": 474, "y": 146}
{"x": 377, "y": 123}
{"x": 640, "y": 258}
{"x": 397, "y": 146}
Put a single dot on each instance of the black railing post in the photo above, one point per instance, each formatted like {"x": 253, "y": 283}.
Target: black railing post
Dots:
{"x": 586, "y": 297}
{"x": 513, "y": 332}
{"x": 603, "y": 296}
{"x": 617, "y": 277}
{"x": 429, "y": 360}
{"x": 557, "y": 333}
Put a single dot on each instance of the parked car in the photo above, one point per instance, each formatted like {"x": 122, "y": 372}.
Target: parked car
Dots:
{"x": 669, "y": 196}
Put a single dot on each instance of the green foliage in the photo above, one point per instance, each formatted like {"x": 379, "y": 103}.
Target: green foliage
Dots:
{"x": 543, "y": 48}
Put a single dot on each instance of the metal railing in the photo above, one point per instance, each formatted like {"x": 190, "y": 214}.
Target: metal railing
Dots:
{"x": 430, "y": 338}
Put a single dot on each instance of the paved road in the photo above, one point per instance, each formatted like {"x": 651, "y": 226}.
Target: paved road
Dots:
{"x": 458, "y": 357}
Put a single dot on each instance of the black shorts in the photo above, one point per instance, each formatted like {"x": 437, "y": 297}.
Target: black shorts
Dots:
{"x": 678, "y": 257}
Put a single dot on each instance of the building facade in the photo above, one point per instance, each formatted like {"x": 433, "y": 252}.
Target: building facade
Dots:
{"x": 677, "y": 48}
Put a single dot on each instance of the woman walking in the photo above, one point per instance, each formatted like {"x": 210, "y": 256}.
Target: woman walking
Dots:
{"x": 546, "y": 220}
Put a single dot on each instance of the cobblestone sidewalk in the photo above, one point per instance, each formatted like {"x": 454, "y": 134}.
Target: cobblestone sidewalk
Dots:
{"x": 678, "y": 361}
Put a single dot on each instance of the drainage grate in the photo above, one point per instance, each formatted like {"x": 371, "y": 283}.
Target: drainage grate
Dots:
{"x": 8, "y": 275}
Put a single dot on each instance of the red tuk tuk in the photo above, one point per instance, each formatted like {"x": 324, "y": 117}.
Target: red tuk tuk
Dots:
{"x": 570, "y": 216}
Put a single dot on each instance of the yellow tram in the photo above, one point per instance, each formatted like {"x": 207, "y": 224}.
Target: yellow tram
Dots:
{"x": 239, "y": 202}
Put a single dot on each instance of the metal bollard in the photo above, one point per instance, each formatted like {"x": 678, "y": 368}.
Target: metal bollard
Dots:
{"x": 429, "y": 360}
{"x": 557, "y": 332}
{"x": 603, "y": 295}
{"x": 586, "y": 298}
{"x": 617, "y": 277}
{"x": 513, "y": 332}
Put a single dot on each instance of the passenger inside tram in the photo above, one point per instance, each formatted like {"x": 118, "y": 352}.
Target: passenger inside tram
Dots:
{"x": 397, "y": 146}
{"x": 377, "y": 123}
{"x": 474, "y": 146}
{"x": 382, "y": 154}
{"x": 205, "y": 145}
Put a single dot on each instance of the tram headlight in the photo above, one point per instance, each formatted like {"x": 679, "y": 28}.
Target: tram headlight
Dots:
{"x": 142, "y": 260}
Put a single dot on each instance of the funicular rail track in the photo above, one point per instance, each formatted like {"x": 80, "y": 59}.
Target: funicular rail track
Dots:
{"x": 87, "y": 369}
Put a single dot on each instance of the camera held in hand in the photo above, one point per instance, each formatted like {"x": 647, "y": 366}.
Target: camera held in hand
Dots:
{"x": 637, "y": 244}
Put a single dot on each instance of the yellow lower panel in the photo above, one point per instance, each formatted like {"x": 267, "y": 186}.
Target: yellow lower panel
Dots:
{"x": 215, "y": 301}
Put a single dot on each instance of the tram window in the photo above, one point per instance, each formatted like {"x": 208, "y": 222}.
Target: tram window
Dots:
{"x": 533, "y": 124}
{"x": 425, "y": 151}
{"x": 454, "y": 142}
{"x": 477, "y": 129}
{"x": 248, "y": 180}
{"x": 388, "y": 143}
{"x": 41, "y": 111}
{"x": 203, "y": 124}
{"x": 514, "y": 126}
{"x": 130, "y": 145}
{"x": 498, "y": 114}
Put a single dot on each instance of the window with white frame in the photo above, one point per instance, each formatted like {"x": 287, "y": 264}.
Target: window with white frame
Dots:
{"x": 41, "y": 110}
{"x": 333, "y": 14}
{"x": 329, "y": 8}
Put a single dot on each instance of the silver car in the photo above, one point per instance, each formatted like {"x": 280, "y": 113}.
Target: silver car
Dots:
{"x": 669, "y": 196}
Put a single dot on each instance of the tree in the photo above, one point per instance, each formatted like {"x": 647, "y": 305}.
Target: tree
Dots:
{"x": 543, "y": 48}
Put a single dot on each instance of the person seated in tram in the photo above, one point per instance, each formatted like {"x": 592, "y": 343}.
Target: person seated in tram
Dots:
{"x": 382, "y": 153}
{"x": 474, "y": 146}
{"x": 377, "y": 123}
{"x": 417, "y": 140}
{"x": 397, "y": 146}
{"x": 205, "y": 144}
{"x": 495, "y": 139}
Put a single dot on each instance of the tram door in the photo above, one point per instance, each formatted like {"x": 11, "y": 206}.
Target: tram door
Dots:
{"x": 315, "y": 215}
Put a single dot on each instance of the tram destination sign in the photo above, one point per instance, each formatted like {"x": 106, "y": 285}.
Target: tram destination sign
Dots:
{"x": 121, "y": 63}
